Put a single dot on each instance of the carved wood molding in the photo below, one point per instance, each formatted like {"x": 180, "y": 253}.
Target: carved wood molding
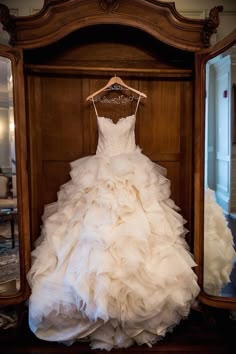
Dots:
{"x": 211, "y": 24}
{"x": 58, "y": 18}
{"x": 15, "y": 54}
{"x": 11, "y": 53}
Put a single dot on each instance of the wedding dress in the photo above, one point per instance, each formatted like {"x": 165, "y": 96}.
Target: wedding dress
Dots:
{"x": 112, "y": 265}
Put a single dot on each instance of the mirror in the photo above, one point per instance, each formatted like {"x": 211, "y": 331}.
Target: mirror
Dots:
{"x": 219, "y": 270}
{"x": 14, "y": 195}
{"x": 9, "y": 242}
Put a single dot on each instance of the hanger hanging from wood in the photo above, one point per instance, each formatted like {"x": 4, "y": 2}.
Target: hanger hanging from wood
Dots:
{"x": 116, "y": 80}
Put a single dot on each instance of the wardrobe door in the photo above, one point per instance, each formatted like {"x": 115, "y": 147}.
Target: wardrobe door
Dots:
{"x": 14, "y": 207}
{"x": 215, "y": 152}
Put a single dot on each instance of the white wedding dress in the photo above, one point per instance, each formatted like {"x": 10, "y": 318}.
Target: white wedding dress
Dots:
{"x": 112, "y": 265}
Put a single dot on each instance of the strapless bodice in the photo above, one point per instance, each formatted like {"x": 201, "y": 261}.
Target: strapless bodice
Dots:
{"x": 116, "y": 138}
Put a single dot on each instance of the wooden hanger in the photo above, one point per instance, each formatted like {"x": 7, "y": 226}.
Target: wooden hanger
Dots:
{"x": 116, "y": 80}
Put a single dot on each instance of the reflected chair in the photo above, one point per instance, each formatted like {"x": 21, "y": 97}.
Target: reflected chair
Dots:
{"x": 8, "y": 203}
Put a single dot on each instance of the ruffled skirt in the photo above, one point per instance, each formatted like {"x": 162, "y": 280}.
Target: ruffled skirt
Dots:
{"x": 112, "y": 265}
{"x": 219, "y": 251}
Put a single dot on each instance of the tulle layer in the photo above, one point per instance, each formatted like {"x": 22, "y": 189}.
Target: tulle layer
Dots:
{"x": 219, "y": 252}
{"x": 112, "y": 263}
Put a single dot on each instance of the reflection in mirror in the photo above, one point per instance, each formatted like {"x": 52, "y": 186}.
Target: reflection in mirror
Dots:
{"x": 220, "y": 177}
{"x": 9, "y": 247}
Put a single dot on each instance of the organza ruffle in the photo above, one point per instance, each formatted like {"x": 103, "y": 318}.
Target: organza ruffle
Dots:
{"x": 112, "y": 264}
{"x": 219, "y": 252}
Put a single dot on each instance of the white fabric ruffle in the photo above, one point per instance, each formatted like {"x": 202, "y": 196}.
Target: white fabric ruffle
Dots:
{"x": 219, "y": 252}
{"x": 112, "y": 265}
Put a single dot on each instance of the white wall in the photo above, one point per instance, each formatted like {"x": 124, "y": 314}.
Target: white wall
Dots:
{"x": 233, "y": 171}
{"x": 198, "y": 9}
{"x": 23, "y": 7}
{"x": 219, "y": 142}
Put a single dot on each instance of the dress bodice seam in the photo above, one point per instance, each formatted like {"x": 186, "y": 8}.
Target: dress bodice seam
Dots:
{"x": 119, "y": 120}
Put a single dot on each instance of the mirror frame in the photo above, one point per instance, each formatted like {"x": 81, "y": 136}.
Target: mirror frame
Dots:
{"x": 199, "y": 147}
{"x": 16, "y": 58}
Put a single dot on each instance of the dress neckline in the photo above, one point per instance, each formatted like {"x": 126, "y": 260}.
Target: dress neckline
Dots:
{"x": 119, "y": 120}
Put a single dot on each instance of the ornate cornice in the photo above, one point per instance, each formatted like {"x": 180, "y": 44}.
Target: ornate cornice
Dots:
{"x": 58, "y": 18}
{"x": 109, "y": 5}
{"x": 10, "y": 53}
{"x": 211, "y": 24}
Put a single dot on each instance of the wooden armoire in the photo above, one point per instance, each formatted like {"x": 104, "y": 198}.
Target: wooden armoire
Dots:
{"x": 70, "y": 49}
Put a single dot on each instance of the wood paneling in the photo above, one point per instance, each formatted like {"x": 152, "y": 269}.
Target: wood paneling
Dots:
{"x": 113, "y": 46}
{"x": 59, "y": 18}
{"x": 55, "y": 174}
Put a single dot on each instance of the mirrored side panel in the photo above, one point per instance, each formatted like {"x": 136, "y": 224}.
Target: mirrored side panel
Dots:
{"x": 219, "y": 278}
{"x": 9, "y": 241}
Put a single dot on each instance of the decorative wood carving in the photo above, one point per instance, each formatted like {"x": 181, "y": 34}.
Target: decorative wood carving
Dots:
{"x": 59, "y": 18}
{"x": 11, "y": 53}
{"x": 15, "y": 54}
{"x": 211, "y": 24}
{"x": 110, "y": 5}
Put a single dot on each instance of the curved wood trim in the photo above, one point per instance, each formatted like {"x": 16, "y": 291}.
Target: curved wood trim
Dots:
{"x": 76, "y": 69}
{"x": 21, "y": 170}
{"x": 217, "y": 301}
{"x": 201, "y": 59}
{"x": 59, "y": 18}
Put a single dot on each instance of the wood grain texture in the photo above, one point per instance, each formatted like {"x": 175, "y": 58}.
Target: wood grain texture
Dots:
{"x": 59, "y": 18}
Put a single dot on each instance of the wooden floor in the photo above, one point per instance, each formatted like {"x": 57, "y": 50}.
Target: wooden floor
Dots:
{"x": 208, "y": 331}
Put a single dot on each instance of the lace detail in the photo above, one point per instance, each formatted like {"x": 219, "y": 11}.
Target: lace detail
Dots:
{"x": 116, "y": 138}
